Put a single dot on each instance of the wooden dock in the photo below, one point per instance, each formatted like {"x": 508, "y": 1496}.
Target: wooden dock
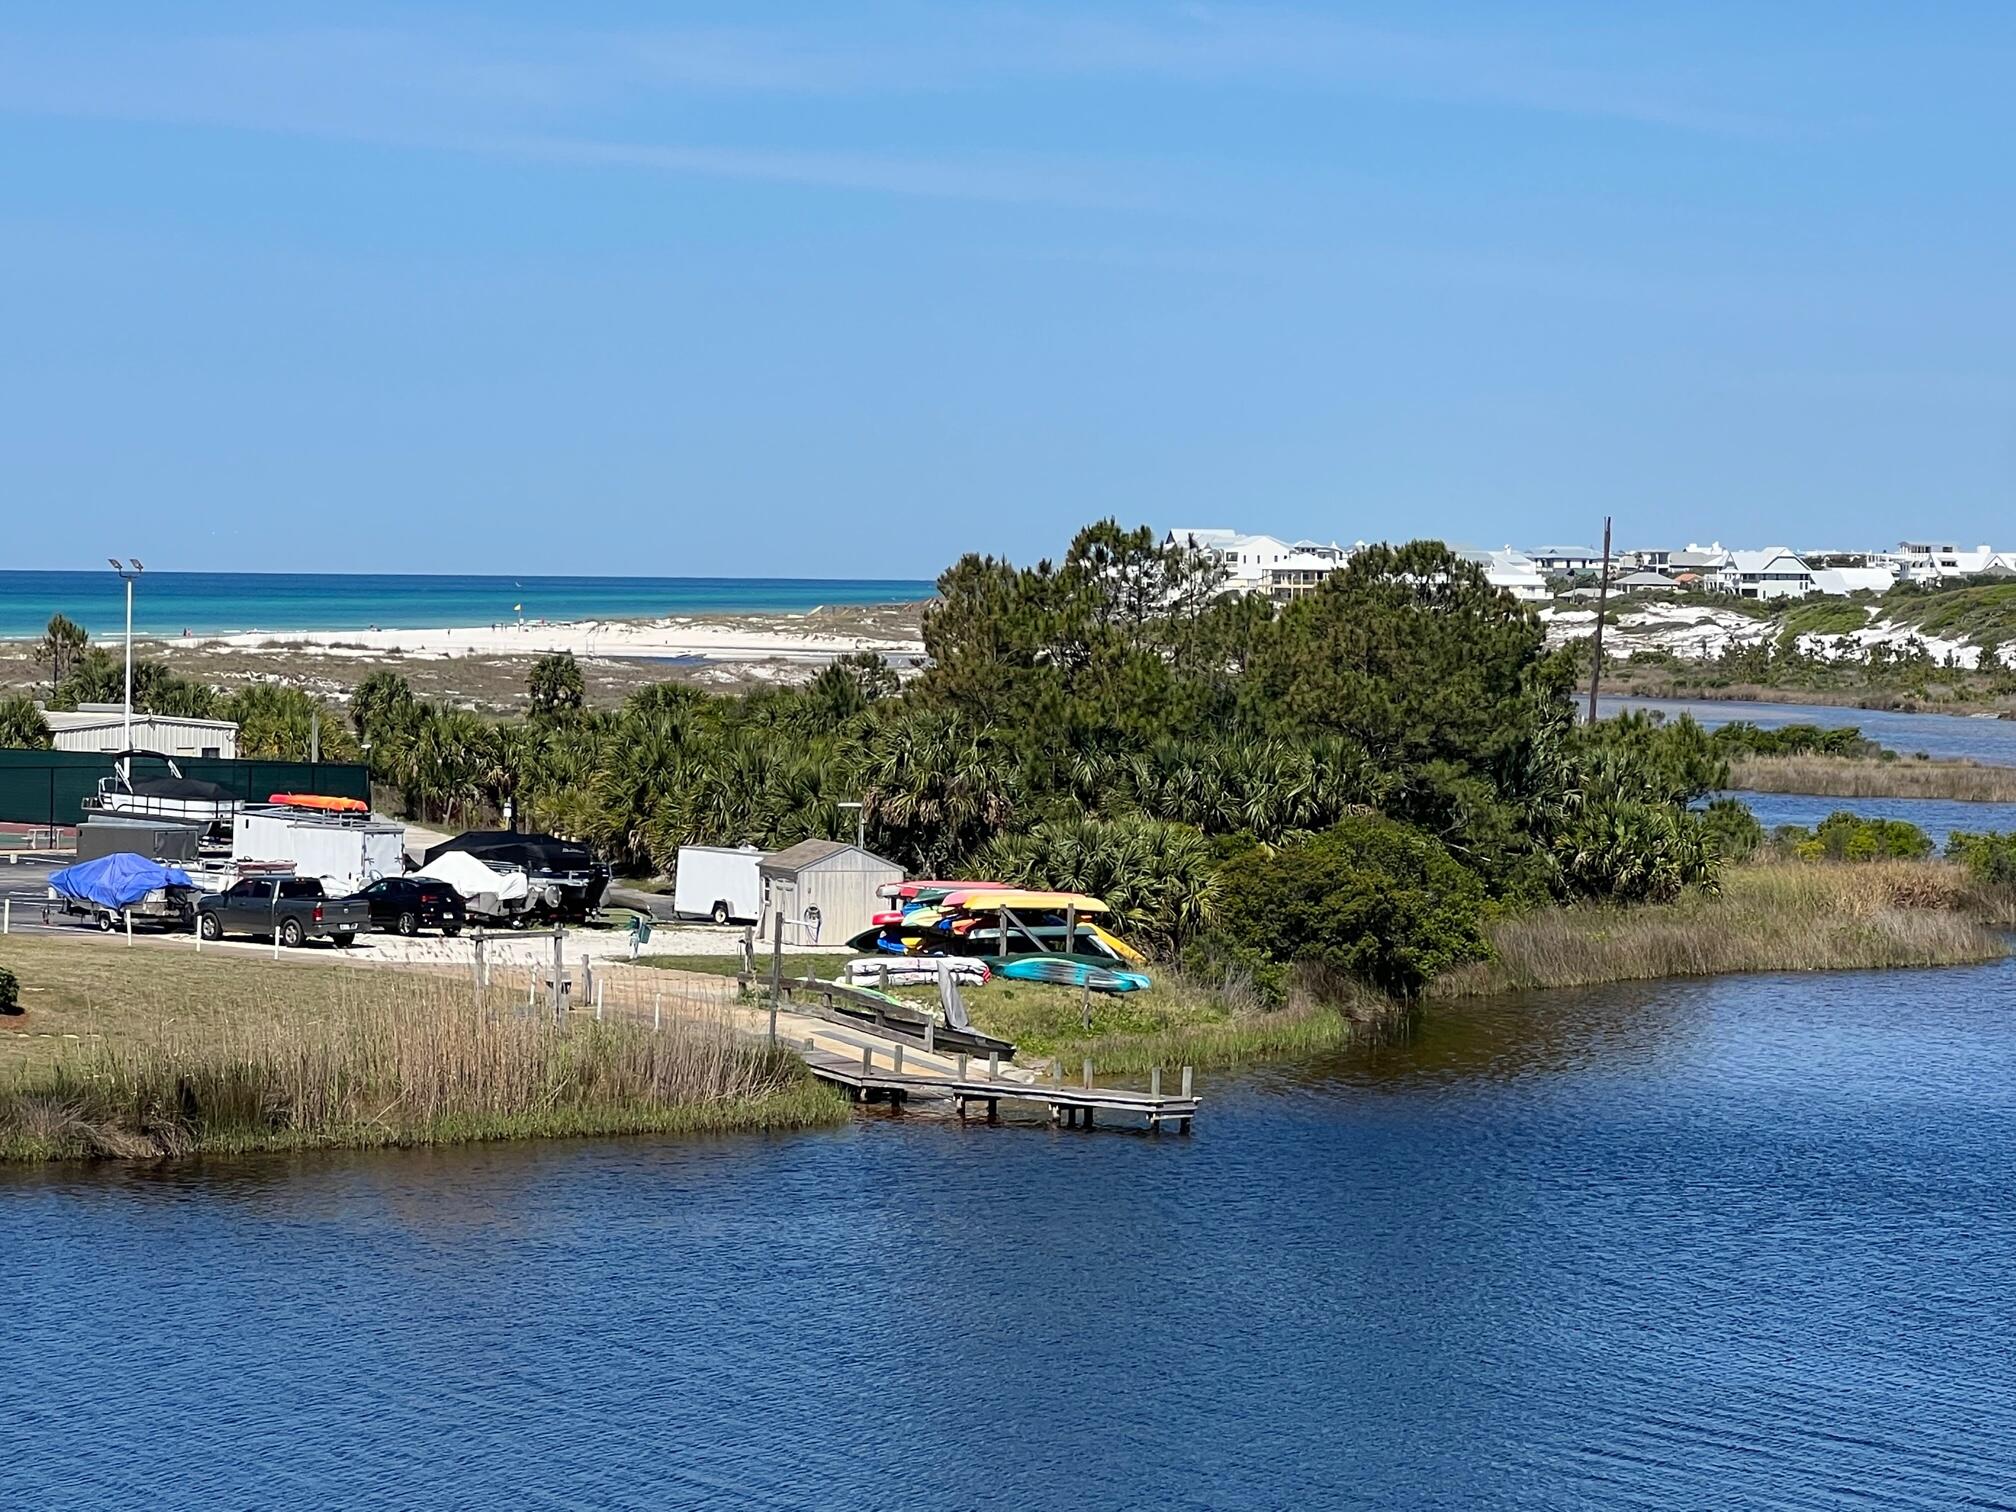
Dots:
{"x": 882, "y": 1061}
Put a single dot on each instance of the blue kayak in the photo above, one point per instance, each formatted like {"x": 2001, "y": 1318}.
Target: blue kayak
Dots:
{"x": 1066, "y": 972}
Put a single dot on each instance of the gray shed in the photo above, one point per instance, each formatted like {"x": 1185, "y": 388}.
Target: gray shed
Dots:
{"x": 827, "y": 881}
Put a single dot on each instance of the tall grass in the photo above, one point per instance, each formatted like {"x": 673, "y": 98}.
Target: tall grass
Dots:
{"x": 1771, "y": 916}
{"x": 384, "y": 1058}
{"x": 1182, "y": 1021}
{"x": 1853, "y": 777}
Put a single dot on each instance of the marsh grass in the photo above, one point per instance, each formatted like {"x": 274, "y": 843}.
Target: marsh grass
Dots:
{"x": 292, "y": 1059}
{"x": 1854, "y": 777}
{"x": 1771, "y": 916}
{"x": 1180, "y": 1021}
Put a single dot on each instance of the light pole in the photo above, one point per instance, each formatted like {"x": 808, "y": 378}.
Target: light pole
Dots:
{"x": 127, "y": 578}
{"x": 860, "y": 823}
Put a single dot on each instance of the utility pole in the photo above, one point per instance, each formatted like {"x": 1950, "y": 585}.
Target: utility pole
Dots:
{"x": 1602, "y": 598}
{"x": 127, "y": 578}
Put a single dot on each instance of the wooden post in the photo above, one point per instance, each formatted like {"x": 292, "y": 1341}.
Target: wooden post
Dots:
{"x": 962, "y": 1068}
{"x": 899, "y": 1060}
{"x": 559, "y": 971}
{"x": 1087, "y": 1082}
{"x": 1602, "y": 596}
{"x": 776, "y": 962}
{"x": 7, "y": 917}
{"x": 930, "y": 1034}
{"x": 1186, "y": 1081}
{"x": 598, "y": 998}
{"x": 867, "y": 1059}
{"x": 276, "y": 934}
{"x": 883, "y": 972}
{"x": 1155, "y": 1082}
{"x": 656, "y": 999}
{"x": 749, "y": 950}
{"x": 993, "y": 1065}
{"x": 129, "y": 930}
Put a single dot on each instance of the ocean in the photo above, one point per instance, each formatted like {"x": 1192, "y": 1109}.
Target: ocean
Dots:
{"x": 214, "y": 603}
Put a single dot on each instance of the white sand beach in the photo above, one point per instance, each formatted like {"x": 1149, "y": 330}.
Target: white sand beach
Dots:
{"x": 698, "y": 639}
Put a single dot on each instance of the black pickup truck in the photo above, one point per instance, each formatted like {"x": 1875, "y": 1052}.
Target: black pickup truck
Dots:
{"x": 294, "y": 906}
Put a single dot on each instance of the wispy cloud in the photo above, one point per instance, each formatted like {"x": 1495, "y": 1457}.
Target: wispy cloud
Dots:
{"x": 571, "y": 94}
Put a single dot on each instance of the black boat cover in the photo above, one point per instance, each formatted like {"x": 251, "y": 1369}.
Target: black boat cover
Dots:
{"x": 536, "y": 853}
{"x": 188, "y": 789}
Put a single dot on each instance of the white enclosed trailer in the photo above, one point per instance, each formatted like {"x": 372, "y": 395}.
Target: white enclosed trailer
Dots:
{"x": 345, "y": 852}
{"x": 719, "y": 882}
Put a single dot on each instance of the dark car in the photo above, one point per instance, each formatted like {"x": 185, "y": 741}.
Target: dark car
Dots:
{"x": 407, "y": 905}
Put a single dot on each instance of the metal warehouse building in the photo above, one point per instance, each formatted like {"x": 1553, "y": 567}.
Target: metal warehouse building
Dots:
{"x": 102, "y": 727}
{"x": 827, "y": 882}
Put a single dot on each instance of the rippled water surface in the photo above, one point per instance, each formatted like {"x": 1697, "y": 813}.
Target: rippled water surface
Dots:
{"x": 1746, "y": 1243}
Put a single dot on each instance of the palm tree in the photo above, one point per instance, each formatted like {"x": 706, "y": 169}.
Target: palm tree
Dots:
{"x": 22, "y": 726}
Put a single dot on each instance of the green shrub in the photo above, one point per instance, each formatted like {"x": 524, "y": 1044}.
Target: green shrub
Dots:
{"x": 1374, "y": 899}
{"x": 1844, "y": 836}
{"x": 1794, "y": 740}
{"x": 1990, "y": 857}
{"x": 10, "y": 991}
{"x": 1734, "y": 829}
{"x": 1628, "y": 851}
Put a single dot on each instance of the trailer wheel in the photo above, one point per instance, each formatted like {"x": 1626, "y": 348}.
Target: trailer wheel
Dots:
{"x": 210, "y": 927}
{"x": 721, "y": 915}
{"x": 106, "y": 922}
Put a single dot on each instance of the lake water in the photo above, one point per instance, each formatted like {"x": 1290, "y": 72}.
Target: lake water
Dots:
{"x": 1733, "y": 1244}
{"x": 207, "y": 603}
{"x": 1938, "y": 817}
{"x": 1945, "y": 736}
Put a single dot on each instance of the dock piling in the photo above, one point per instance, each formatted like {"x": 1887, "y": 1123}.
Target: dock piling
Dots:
{"x": 1085, "y": 1079}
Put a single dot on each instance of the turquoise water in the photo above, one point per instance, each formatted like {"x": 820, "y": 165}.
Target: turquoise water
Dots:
{"x": 208, "y": 603}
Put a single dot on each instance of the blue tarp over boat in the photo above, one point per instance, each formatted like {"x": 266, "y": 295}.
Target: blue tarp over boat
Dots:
{"x": 117, "y": 881}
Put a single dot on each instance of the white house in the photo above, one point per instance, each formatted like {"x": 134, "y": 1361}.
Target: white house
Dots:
{"x": 1298, "y": 573}
{"x": 1930, "y": 561}
{"x": 1565, "y": 559}
{"x": 1846, "y": 580}
{"x": 1645, "y": 582}
{"x": 1247, "y": 559}
{"x": 1774, "y": 572}
{"x": 1708, "y": 567}
{"x": 1511, "y": 570}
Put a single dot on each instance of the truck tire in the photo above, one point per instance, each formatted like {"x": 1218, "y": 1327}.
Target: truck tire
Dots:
{"x": 720, "y": 914}
{"x": 290, "y": 933}
{"x": 209, "y": 926}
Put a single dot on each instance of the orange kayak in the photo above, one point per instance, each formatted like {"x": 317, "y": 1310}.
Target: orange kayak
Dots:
{"x": 318, "y": 801}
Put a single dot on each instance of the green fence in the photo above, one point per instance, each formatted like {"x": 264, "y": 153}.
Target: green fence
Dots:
{"x": 49, "y": 787}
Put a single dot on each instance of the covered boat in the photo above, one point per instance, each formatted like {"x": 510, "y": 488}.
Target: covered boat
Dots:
{"x": 564, "y": 880}
{"x": 125, "y": 884}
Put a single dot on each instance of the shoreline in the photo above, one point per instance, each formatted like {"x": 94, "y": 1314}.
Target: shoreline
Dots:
{"x": 668, "y": 639}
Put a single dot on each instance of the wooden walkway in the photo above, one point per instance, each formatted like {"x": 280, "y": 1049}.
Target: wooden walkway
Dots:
{"x": 893, "y": 1063}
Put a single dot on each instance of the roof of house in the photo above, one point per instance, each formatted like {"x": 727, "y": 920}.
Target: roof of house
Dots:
{"x": 1565, "y": 551}
{"x": 795, "y": 858}
{"x": 1761, "y": 561}
{"x": 1645, "y": 580}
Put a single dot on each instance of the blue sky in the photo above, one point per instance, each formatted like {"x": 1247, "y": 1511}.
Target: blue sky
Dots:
{"x": 846, "y": 290}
